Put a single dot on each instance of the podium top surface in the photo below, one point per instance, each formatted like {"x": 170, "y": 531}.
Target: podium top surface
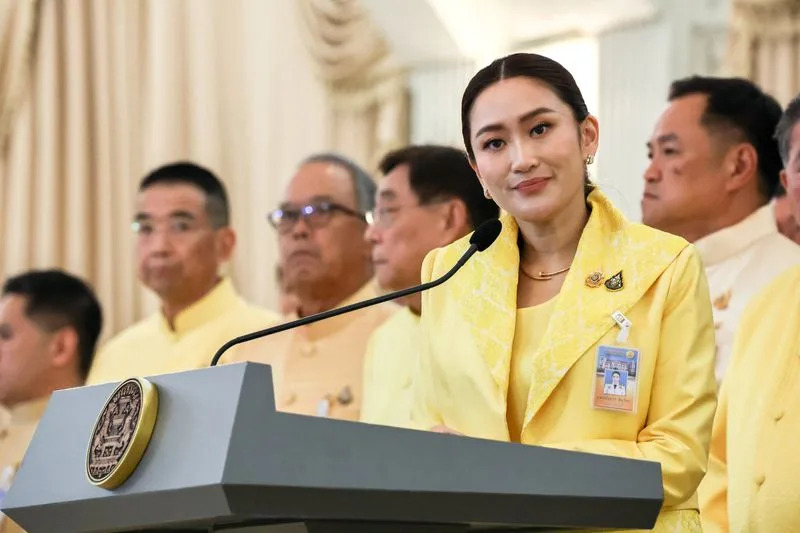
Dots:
{"x": 221, "y": 454}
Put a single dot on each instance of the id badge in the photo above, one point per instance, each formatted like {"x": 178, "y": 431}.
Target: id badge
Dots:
{"x": 616, "y": 385}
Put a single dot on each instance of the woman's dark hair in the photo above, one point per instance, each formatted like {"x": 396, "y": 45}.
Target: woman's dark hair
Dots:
{"x": 533, "y": 66}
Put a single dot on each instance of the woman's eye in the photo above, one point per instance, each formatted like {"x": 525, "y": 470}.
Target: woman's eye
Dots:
{"x": 493, "y": 144}
{"x": 540, "y": 129}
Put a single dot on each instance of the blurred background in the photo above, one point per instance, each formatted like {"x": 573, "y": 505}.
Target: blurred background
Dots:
{"x": 95, "y": 93}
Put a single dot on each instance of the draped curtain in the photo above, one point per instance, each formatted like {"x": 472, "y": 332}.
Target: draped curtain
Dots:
{"x": 367, "y": 91}
{"x": 95, "y": 93}
{"x": 765, "y": 45}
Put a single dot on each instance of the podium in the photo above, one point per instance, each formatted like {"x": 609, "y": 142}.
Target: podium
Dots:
{"x": 221, "y": 458}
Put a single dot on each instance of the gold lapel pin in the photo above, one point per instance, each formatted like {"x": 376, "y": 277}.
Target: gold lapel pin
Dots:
{"x": 594, "y": 279}
{"x": 614, "y": 283}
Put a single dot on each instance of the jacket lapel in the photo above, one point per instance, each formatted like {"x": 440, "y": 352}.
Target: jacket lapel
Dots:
{"x": 488, "y": 290}
{"x": 582, "y": 314}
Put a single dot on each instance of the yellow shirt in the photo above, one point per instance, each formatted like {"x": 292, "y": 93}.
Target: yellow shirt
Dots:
{"x": 151, "y": 347}
{"x": 468, "y": 329}
{"x": 318, "y": 369}
{"x": 740, "y": 261}
{"x": 388, "y": 370}
{"x": 530, "y": 328}
{"x": 753, "y": 481}
{"x": 17, "y": 426}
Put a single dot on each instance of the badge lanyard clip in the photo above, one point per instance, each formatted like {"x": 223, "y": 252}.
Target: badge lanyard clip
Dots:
{"x": 624, "y": 326}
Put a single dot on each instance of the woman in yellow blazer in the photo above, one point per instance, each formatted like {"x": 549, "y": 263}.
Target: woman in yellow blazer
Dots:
{"x": 521, "y": 343}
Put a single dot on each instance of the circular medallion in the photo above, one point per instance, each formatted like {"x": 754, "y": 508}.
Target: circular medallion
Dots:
{"x": 121, "y": 433}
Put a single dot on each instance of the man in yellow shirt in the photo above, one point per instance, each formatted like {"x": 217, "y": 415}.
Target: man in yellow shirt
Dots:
{"x": 183, "y": 233}
{"x": 49, "y": 324}
{"x": 429, "y": 197}
{"x": 714, "y": 167}
{"x": 753, "y": 470}
{"x": 324, "y": 264}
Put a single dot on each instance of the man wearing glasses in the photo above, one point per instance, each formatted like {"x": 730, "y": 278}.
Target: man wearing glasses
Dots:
{"x": 324, "y": 263}
{"x": 183, "y": 236}
{"x": 428, "y": 198}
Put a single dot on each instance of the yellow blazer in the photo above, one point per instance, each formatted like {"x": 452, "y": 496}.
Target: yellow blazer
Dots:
{"x": 468, "y": 329}
{"x": 753, "y": 469}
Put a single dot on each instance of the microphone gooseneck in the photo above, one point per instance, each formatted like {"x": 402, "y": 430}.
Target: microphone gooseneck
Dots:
{"x": 480, "y": 240}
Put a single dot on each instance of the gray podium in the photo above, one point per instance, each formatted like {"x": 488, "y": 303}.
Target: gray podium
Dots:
{"x": 222, "y": 459}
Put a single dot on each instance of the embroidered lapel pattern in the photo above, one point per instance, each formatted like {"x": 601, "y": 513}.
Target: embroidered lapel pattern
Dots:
{"x": 484, "y": 293}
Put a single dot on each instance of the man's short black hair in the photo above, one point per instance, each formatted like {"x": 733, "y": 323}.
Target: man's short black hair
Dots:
{"x": 617, "y": 373}
{"x": 736, "y": 104}
{"x": 54, "y": 300}
{"x": 442, "y": 173}
{"x": 217, "y": 206}
{"x": 783, "y": 132}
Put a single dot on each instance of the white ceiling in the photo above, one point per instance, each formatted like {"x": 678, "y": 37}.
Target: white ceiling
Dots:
{"x": 536, "y": 19}
{"x": 426, "y": 30}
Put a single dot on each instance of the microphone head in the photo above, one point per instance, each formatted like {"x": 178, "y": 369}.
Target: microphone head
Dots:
{"x": 485, "y": 235}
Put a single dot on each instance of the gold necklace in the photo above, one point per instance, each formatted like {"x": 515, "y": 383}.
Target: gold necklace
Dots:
{"x": 544, "y": 276}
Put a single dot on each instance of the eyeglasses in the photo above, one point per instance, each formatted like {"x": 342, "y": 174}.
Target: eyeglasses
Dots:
{"x": 315, "y": 215}
{"x": 173, "y": 227}
{"x": 385, "y": 217}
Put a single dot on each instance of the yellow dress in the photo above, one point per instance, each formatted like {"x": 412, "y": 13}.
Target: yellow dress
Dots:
{"x": 464, "y": 380}
{"x": 530, "y": 328}
{"x": 753, "y": 481}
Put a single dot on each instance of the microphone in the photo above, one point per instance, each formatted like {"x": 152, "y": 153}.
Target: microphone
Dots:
{"x": 481, "y": 239}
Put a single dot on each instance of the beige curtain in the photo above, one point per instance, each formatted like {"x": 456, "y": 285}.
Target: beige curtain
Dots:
{"x": 765, "y": 45}
{"x": 17, "y": 37}
{"x": 116, "y": 88}
{"x": 367, "y": 91}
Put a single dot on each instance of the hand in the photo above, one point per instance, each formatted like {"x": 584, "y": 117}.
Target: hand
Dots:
{"x": 445, "y": 429}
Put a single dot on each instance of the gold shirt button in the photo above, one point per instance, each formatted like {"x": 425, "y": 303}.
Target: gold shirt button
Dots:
{"x": 779, "y": 415}
{"x": 760, "y": 479}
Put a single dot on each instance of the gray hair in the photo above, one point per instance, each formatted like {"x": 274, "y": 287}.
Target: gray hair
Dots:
{"x": 783, "y": 131}
{"x": 363, "y": 184}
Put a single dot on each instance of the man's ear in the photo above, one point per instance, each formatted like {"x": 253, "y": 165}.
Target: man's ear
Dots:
{"x": 741, "y": 166}
{"x": 64, "y": 347}
{"x": 226, "y": 243}
{"x": 455, "y": 221}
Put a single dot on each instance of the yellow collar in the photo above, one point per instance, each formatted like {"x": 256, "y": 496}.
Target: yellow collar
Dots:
{"x": 213, "y": 305}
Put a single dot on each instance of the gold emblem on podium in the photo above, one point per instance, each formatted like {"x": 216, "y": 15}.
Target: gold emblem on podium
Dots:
{"x": 121, "y": 433}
